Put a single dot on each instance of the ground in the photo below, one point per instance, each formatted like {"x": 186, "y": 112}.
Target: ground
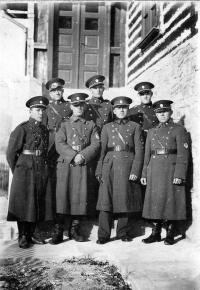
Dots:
{"x": 73, "y": 274}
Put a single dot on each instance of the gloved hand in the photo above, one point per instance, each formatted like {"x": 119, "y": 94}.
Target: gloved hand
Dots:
{"x": 98, "y": 177}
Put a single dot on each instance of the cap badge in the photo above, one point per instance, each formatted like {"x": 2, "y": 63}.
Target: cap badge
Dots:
{"x": 161, "y": 105}
{"x": 41, "y": 102}
{"x": 96, "y": 80}
{"x": 78, "y": 98}
{"x": 143, "y": 87}
{"x": 186, "y": 145}
{"x": 54, "y": 85}
{"x": 121, "y": 101}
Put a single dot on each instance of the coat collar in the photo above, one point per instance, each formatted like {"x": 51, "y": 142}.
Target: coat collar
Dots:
{"x": 34, "y": 122}
{"x": 122, "y": 121}
{"x": 146, "y": 106}
{"x": 97, "y": 100}
{"x": 75, "y": 119}
{"x": 59, "y": 102}
{"x": 166, "y": 124}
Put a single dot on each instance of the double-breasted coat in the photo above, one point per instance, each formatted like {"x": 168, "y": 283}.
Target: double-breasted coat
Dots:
{"x": 144, "y": 115}
{"x": 30, "y": 195}
{"x": 117, "y": 193}
{"x": 74, "y": 187}
{"x": 165, "y": 200}
{"x": 99, "y": 111}
{"x": 56, "y": 112}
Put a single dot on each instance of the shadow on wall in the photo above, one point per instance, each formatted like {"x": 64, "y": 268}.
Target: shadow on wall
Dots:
{"x": 183, "y": 226}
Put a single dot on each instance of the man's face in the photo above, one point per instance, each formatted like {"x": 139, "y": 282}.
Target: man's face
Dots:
{"x": 163, "y": 117}
{"x": 78, "y": 109}
{"x": 121, "y": 112}
{"x": 145, "y": 97}
{"x": 37, "y": 113}
{"x": 57, "y": 94}
{"x": 97, "y": 91}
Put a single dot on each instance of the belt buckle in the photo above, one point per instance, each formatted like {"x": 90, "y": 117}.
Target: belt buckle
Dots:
{"x": 118, "y": 148}
{"x": 161, "y": 151}
{"x": 38, "y": 152}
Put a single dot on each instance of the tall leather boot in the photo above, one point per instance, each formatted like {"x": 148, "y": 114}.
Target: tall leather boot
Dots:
{"x": 169, "y": 240}
{"x": 23, "y": 240}
{"x": 155, "y": 235}
{"x": 74, "y": 231}
{"x": 31, "y": 237}
{"x": 58, "y": 229}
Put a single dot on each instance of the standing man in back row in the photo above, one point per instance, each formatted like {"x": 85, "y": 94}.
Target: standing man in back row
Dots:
{"x": 100, "y": 111}
{"x": 144, "y": 114}
{"x": 57, "y": 111}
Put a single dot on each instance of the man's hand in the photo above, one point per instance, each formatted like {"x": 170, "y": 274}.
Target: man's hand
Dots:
{"x": 177, "y": 181}
{"x": 143, "y": 181}
{"x": 99, "y": 179}
{"x": 78, "y": 159}
{"x": 132, "y": 177}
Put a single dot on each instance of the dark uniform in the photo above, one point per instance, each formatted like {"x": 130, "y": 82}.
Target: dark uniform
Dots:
{"x": 56, "y": 112}
{"x": 166, "y": 158}
{"x": 122, "y": 154}
{"x": 144, "y": 114}
{"x": 75, "y": 136}
{"x": 98, "y": 109}
{"x": 30, "y": 198}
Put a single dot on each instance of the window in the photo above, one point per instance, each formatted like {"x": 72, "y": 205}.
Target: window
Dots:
{"x": 150, "y": 23}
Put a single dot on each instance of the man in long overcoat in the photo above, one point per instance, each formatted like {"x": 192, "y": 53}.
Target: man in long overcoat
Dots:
{"x": 164, "y": 172}
{"x": 57, "y": 111}
{"x": 100, "y": 111}
{"x": 30, "y": 198}
{"x": 119, "y": 169}
{"x": 77, "y": 142}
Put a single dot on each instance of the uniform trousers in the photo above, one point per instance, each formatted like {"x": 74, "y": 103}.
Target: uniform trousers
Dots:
{"x": 105, "y": 225}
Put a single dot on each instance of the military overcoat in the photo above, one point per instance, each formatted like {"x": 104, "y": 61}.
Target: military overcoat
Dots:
{"x": 99, "y": 111}
{"x": 30, "y": 195}
{"x": 117, "y": 193}
{"x": 144, "y": 115}
{"x": 74, "y": 183}
{"x": 165, "y": 200}
{"x": 56, "y": 112}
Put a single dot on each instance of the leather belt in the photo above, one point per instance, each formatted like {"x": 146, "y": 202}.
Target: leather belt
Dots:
{"x": 78, "y": 148}
{"x": 119, "y": 148}
{"x": 32, "y": 152}
{"x": 163, "y": 151}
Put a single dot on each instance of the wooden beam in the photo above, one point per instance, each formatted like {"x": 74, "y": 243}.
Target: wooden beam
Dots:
{"x": 50, "y": 41}
{"x": 40, "y": 46}
{"x": 30, "y": 40}
{"x": 115, "y": 50}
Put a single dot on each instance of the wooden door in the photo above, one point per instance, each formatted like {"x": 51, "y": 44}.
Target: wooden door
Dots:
{"x": 81, "y": 42}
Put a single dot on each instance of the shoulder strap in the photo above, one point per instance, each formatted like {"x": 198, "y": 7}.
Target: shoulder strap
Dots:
{"x": 160, "y": 143}
{"x": 55, "y": 111}
{"x": 97, "y": 112}
{"x": 146, "y": 117}
{"x": 120, "y": 136}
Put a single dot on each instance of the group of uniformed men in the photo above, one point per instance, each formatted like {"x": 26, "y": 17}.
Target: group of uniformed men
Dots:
{"x": 73, "y": 158}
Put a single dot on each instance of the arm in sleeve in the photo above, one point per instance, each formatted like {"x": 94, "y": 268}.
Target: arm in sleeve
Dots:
{"x": 15, "y": 146}
{"x": 147, "y": 155}
{"x": 139, "y": 152}
{"x": 182, "y": 153}
{"x": 92, "y": 150}
{"x": 62, "y": 147}
{"x": 104, "y": 143}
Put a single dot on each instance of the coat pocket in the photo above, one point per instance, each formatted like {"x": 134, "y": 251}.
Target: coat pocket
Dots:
{"x": 25, "y": 161}
{"x": 61, "y": 160}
